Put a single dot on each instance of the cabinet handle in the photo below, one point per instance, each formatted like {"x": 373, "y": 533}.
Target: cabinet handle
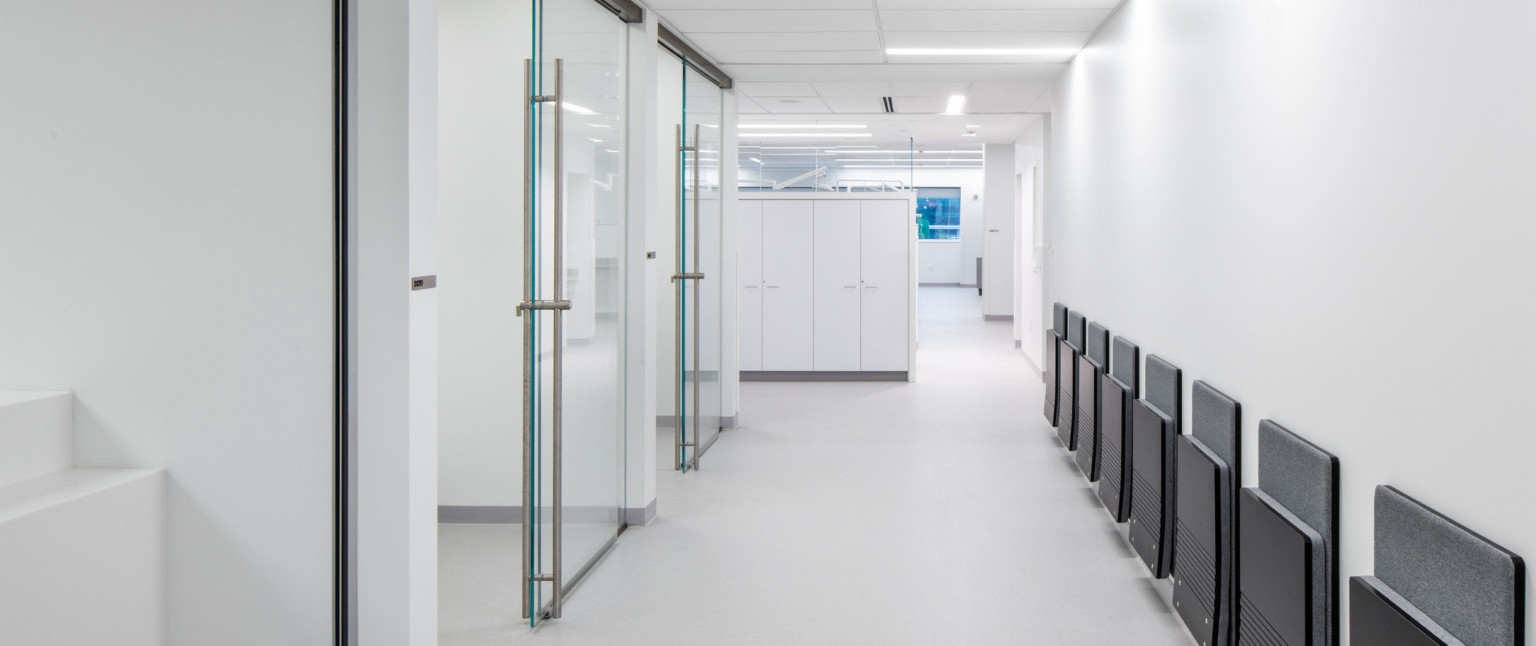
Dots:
{"x": 850, "y": 286}
{"x": 750, "y": 286}
{"x": 773, "y": 287}
{"x": 871, "y": 287}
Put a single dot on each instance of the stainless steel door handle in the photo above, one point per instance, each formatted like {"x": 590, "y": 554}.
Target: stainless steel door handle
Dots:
{"x": 557, "y": 307}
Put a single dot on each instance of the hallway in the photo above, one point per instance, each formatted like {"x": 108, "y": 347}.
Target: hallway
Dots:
{"x": 871, "y": 513}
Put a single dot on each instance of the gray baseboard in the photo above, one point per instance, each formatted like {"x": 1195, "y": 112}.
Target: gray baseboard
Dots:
{"x": 640, "y": 516}
{"x": 513, "y": 515}
{"x": 997, "y": 317}
{"x": 670, "y": 421}
{"x": 1018, "y": 345}
{"x": 796, "y": 375}
{"x": 1034, "y": 368}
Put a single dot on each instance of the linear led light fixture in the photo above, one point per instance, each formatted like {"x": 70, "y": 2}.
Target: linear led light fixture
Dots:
{"x": 956, "y": 104}
{"x": 801, "y": 126}
{"x": 861, "y": 166}
{"x": 585, "y": 112}
{"x": 806, "y": 135}
{"x": 977, "y": 51}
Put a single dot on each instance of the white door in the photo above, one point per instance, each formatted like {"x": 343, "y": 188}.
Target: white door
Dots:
{"x": 749, "y": 271}
{"x": 836, "y": 327}
{"x": 883, "y": 334}
{"x": 787, "y": 292}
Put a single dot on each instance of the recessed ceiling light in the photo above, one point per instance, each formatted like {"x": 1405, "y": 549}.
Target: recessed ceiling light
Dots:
{"x": 966, "y": 51}
{"x": 802, "y": 126}
{"x": 956, "y": 104}
{"x": 973, "y": 127}
{"x": 969, "y": 134}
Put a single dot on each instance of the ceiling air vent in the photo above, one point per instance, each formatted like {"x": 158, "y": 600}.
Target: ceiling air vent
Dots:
{"x": 890, "y": 106}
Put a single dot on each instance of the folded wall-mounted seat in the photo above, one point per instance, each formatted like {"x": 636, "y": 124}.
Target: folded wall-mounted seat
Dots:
{"x": 1090, "y": 370}
{"x": 1154, "y": 425}
{"x": 1117, "y": 393}
{"x": 1209, "y": 473}
{"x": 1288, "y": 532}
{"x": 1066, "y": 400}
{"x": 1053, "y": 340}
{"x": 1436, "y": 583}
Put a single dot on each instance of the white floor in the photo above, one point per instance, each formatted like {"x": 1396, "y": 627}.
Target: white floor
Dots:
{"x": 940, "y": 512}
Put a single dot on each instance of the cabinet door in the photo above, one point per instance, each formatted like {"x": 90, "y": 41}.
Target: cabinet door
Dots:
{"x": 749, "y": 272}
{"x": 787, "y": 258}
{"x": 883, "y": 338}
{"x": 836, "y": 245}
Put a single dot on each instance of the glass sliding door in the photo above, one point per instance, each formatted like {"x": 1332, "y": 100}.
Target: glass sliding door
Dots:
{"x": 699, "y": 270}
{"x": 573, "y": 297}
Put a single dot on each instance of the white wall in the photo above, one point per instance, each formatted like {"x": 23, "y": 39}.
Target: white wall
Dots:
{"x": 483, "y": 45}
{"x": 999, "y": 217}
{"x": 660, "y": 229}
{"x": 166, "y": 230}
{"x": 1269, "y": 195}
{"x": 1029, "y": 306}
{"x": 392, "y": 221}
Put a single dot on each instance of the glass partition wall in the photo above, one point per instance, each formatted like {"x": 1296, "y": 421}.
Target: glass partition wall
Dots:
{"x": 699, "y": 276}
{"x": 573, "y": 289}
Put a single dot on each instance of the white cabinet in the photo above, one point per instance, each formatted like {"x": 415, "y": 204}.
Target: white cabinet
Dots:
{"x": 883, "y": 332}
{"x": 836, "y": 318}
{"x": 749, "y": 270}
{"x": 827, "y": 283}
{"x": 787, "y": 290}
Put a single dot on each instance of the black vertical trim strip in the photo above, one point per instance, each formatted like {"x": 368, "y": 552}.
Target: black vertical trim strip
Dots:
{"x": 341, "y": 551}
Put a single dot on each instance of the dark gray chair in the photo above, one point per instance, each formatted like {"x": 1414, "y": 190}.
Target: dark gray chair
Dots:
{"x": 1209, "y": 475}
{"x": 1288, "y": 535}
{"x": 1053, "y": 340}
{"x": 1090, "y": 370}
{"x": 1066, "y": 398}
{"x": 1154, "y": 425}
{"x": 1436, "y": 583}
{"x": 1117, "y": 395}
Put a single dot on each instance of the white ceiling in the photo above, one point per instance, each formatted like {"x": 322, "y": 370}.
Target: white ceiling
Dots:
{"x": 804, "y": 61}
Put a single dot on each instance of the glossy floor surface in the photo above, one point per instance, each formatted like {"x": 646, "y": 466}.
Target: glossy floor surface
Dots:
{"x": 937, "y": 512}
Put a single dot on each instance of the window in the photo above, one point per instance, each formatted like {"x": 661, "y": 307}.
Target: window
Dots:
{"x": 938, "y": 214}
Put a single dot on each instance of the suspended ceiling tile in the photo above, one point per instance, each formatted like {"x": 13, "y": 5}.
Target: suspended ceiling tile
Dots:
{"x": 756, "y": 89}
{"x": 1042, "y": 104}
{"x": 866, "y": 104}
{"x": 1003, "y": 97}
{"x": 696, "y": 22}
{"x": 920, "y": 104}
{"x": 667, "y": 6}
{"x": 794, "y": 105}
{"x": 890, "y": 5}
{"x": 968, "y": 20}
{"x": 930, "y": 88}
{"x": 853, "y": 88}
{"x": 898, "y": 72}
{"x": 721, "y": 44}
{"x": 1065, "y": 40}
{"x": 798, "y": 58}
{"x": 745, "y": 105}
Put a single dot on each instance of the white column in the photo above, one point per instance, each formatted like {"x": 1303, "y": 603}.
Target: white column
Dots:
{"x": 393, "y": 104}
{"x": 640, "y": 282}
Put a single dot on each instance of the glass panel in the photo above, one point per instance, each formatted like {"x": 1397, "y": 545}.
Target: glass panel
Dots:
{"x": 701, "y": 119}
{"x": 588, "y": 46}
